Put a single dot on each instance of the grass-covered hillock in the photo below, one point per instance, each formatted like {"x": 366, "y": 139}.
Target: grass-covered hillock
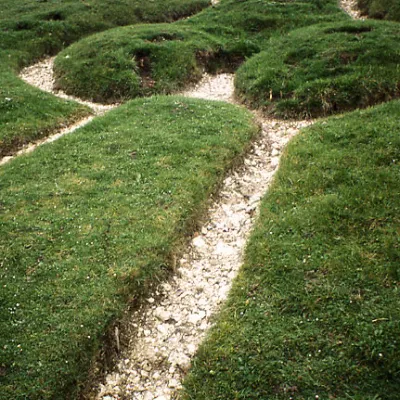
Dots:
{"x": 37, "y": 28}
{"x": 31, "y": 29}
{"x": 133, "y": 61}
{"x": 248, "y": 25}
{"x": 324, "y": 69}
{"x": 315, "y": 310}
{"x": 91, "y": 220}
{"x": 142, "y": 60}
{"x": 380, "y": 9}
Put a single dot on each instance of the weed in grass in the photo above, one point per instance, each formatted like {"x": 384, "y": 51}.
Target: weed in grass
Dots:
{"x": 324, "y": 69}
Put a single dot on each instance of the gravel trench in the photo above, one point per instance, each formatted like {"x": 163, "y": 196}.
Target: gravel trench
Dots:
{"x": 169, "y": 330}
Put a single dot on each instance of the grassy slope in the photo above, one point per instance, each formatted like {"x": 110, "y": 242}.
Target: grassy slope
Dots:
{"x": 165, "y": 58}
{"x": 31, "y": 29}
{"x": 89, "y": 221}
{"x": 324, "y": 69}
{"x": 315, "y": 309}
{"x": 380, "y": 9}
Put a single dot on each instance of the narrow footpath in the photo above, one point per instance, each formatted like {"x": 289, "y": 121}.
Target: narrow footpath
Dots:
{"x": 169, "y": 331}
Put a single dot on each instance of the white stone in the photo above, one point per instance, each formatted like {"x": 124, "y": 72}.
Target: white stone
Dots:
{"x": 173, "y": 383}
{"x": 199, "y": 241}
{"x": 162, "y": 314}
{"x": 224, "y": 249}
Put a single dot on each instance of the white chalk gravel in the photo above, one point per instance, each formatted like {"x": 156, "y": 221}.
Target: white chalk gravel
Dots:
{"x": 168, "y": 332}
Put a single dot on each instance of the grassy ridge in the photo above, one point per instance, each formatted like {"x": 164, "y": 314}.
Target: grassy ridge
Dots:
{"x": 31, "y": 29}
{"x": 324, "y": 69}
{"x": 166, "y": 58}
{"x": 133, "y": 61}
{"x": 380, "y": 9}
{"x": 90, "y": 220}
{"x": 315, "y": 309}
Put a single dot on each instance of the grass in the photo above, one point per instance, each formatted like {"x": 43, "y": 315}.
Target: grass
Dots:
{"x": 315, "y": 309}
{"x": 26, "y": 113}
{"x": 166, "y": 58}
{"x": 324, "y": 69}
{"x": 380, "y": 9}
{"x": 31, "y": 29}
{"x": 91, "y": 220}
{"x": 133, "y": 61}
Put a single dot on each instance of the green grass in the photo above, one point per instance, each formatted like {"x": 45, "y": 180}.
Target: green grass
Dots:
{"x": 166, "y": 58}
{"x": 27, "y": 114}
{"x": 248, "y": 25}
{"x": 133, "y": 61}
{"x": 31, "y": 29}
{"x": 380, "y": 9}
{"x": 91, "y": 220}
{"x": 316, "y": 307}
{"x": 324, "y": 69}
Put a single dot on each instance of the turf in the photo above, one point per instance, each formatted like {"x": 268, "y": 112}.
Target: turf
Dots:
{"x": 133, "y": 61}
{"x": 91, "y": 220}
{"x": 324, "y": 69}
{"x": 315, "y": 309}
{"x": 27, "y": 114}
{"x": 380, "y": 9}
{"x": 166, "y": 58}
{"x": 31, "y": 29}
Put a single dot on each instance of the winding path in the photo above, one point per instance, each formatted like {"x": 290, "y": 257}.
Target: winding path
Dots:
{"x": 167, "y": 331}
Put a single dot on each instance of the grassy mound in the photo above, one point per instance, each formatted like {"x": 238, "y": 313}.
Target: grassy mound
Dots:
{"x": 31, "y": 29}
{"x": 142, "y": 60}
{"x": 90, "y": 220}
{"x": 248, "y": 25}
{"x": 324, "y": 69}
{"x": 316, "y": 307}
{"x": 133, "y": 61}
{"x": 380, "y": 9}
{"x": 36, "y": 28}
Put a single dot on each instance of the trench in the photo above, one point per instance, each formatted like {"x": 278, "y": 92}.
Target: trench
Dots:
{"x": 170, "y": 325}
